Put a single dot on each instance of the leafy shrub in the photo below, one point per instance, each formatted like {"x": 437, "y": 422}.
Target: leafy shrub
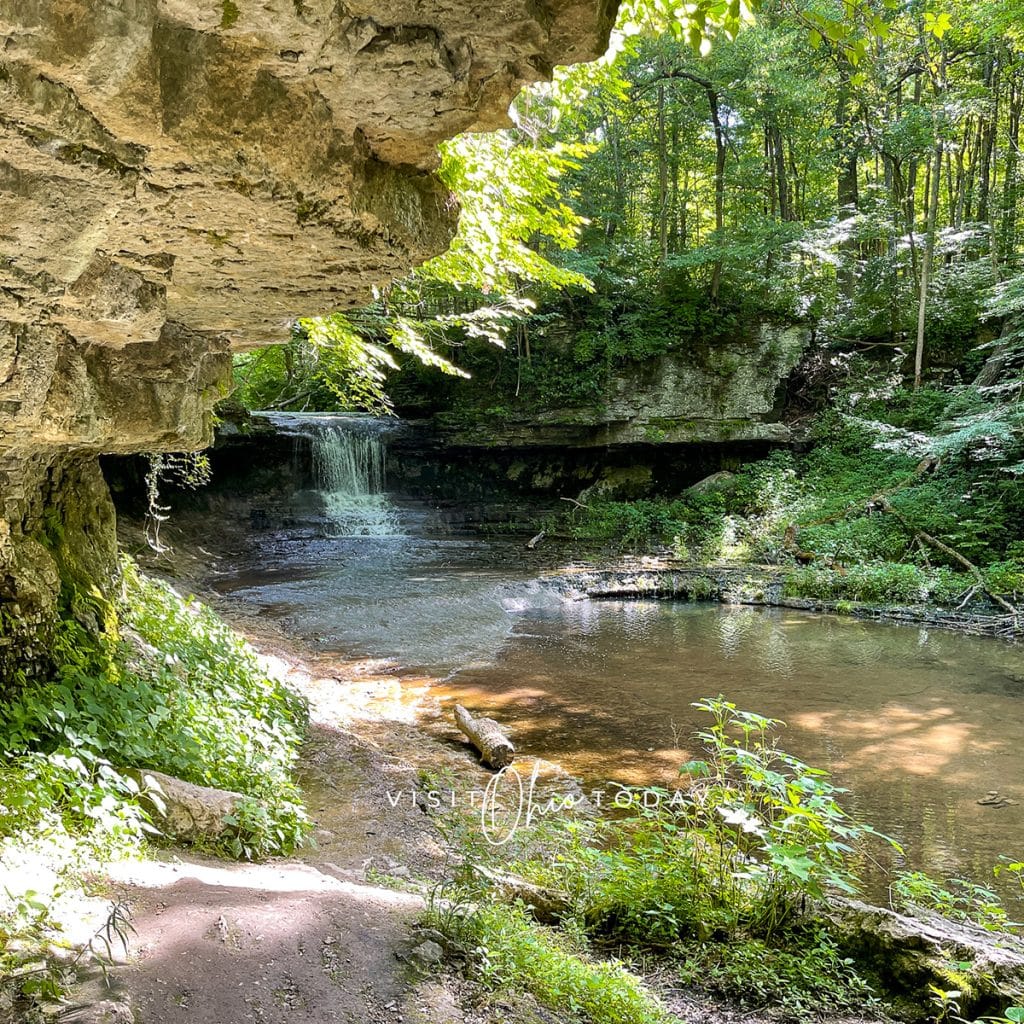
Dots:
{"x": 1006, "y": 577}
{"x": 957, "y": 898}
{"x": 711, "y": 876}
{"x": 755, "y": 833}
{"x": 183, "y": 694}
{"x": 695, "y": 526}
{"x": 878, "y": 583}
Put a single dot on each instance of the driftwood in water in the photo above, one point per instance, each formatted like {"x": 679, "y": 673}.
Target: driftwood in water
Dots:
{"x": 534, "y": 542}
{"x": 485, "y": 734}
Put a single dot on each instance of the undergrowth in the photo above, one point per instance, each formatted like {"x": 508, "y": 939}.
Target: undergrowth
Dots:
{"x": 508, "y": 950}
{"x": 811, "y": 980}
{"x": 169, "y": 688}
{"x": 711, "y": 880}
{"x": 848, "y": 517}
{"x": 179, "y": 692}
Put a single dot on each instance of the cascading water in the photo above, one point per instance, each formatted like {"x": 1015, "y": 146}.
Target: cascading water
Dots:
{"x": 348, "y": 470}
{"x": 348, "y": 455}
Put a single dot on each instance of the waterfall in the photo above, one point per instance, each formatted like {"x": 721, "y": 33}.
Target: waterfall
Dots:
{"x": 348, "y": 470}
{"x": 348, "y": 455}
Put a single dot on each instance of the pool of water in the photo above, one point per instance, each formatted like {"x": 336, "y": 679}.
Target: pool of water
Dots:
{"x": 918, "y": 725}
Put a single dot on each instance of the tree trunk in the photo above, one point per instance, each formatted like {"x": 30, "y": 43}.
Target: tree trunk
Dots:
{"x": 661, "y": 218}
{"x": 1008, "y": 227}
{"x": 932, "y": 193}
{"x": 932, "y": 196}
{"x": 720, "y": 155}
{"x": 846, "y": 179}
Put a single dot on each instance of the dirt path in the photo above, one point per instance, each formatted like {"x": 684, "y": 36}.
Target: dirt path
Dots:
{"x": 310, "y": 939}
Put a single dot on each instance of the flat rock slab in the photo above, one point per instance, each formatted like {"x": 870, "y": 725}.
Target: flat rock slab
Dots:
{"x": 184, "y": 810}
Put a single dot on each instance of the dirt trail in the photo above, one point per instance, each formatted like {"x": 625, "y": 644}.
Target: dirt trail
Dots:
{"x": 309, "y": 939}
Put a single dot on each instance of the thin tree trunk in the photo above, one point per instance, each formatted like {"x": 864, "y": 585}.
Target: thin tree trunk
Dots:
{"x": 1008, "y": 232}
{"x": 932, "y": 194}
{"x": 846, "y": 180}
{"x": 662, "y": 211}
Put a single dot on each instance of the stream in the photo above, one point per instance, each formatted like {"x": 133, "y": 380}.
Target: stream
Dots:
{"x": 918, "y": 725}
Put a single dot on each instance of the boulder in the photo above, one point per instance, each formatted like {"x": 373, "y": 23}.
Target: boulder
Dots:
{"x": 183, "y": 810}
{"x": 909, "y": 954}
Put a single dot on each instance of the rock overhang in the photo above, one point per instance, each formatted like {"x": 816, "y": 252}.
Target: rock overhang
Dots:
{"x": 180, "y": 178}
{"x": 227, "y": 165}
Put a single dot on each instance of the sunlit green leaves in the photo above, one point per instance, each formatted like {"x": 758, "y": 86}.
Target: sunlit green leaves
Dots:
{"x": 937, "y": 23}
{"x": 512, "y": 206}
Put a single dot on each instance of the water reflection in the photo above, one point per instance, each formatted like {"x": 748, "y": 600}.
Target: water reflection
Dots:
{"x": 917, "y": 726}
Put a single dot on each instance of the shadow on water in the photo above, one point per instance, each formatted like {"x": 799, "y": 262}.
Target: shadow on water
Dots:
{"x": 918, "y": 726}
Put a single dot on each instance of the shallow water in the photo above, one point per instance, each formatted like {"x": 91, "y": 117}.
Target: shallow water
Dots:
{"x": 917, "y": 724}
{"x": 429, "y": 604}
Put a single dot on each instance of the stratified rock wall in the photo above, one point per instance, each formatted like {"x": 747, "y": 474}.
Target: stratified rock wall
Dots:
{"x": 180, "y": 177}
{"x": 726, "y": 393}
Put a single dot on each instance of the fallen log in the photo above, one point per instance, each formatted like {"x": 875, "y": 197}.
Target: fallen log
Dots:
{"x": 952, "y": 553}
{"x": 486, "y": 735}
{"x": 913, "y": 956}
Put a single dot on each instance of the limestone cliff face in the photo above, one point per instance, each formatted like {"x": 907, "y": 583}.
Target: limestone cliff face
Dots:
{"x": 723, "y": 393}
{"x": 179, "y": 177}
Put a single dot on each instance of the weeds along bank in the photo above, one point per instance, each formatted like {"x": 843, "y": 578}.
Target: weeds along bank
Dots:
{"x": 168, "y": 687}
{"x": 729, "y": 890}
{"x": 902, "y": 497}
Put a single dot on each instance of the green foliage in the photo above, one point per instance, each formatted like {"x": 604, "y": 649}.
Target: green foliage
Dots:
{"x": 956, "y": 898}
{"x": 695, "y": 526}
{"x": 808, "y": 981}
{"x": 755, "y": 833}
{"x": 878, "y": 583}
{"x": 182, "y": 694}
{"x": 30, "y": 976}
{"x": 713, "y": 876}
{"x": 171, "y": 688}
{"x": 507, "y": 950}
{"x": 507, "y": 183}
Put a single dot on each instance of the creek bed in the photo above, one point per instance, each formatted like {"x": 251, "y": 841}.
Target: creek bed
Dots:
{"x": 918, "y": 724}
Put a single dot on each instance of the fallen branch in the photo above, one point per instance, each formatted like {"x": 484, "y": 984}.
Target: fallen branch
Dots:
{"x": 545, "y": 904}
{"x": 942, "y": 546}
{"x": 486, "y": 735}
{"x": 881, "y": 497}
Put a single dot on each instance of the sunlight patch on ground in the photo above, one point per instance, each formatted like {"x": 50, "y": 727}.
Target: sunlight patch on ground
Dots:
{"x": 283, "y": 878}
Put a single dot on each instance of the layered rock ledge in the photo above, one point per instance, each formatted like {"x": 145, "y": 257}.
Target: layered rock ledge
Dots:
{"x": 179, "y": 178}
